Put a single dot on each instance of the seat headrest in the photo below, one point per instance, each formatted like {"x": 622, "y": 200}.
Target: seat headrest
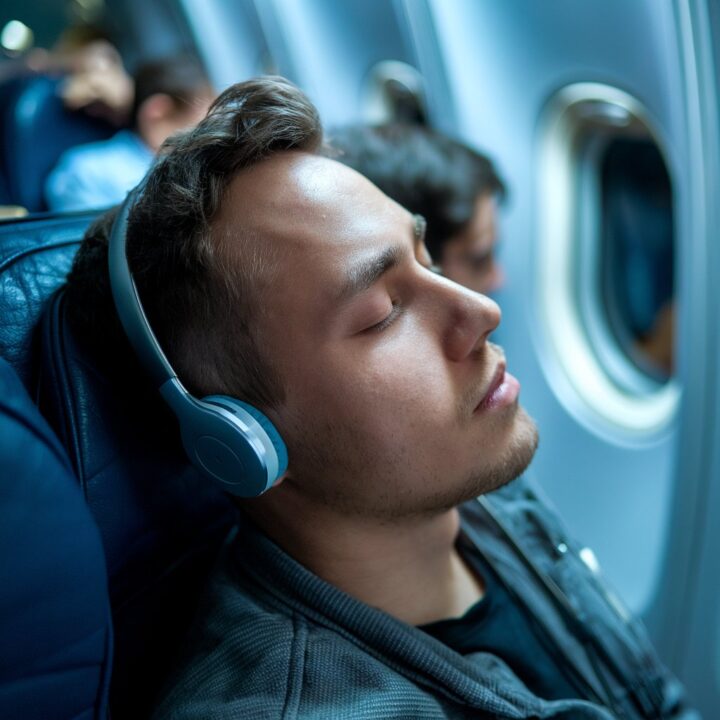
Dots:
{"x": 35, "y": 129}
{"x": 161, "y": 523}
{"x": 55, "y": 630}
{"x": 35, "y": 256}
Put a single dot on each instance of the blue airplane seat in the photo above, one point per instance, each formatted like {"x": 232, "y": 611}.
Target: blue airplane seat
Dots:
{"x": 35, "y": 256}
{"x": 161, "y": 525}
{"x": 35, "y": 129}
{"x": 55, "y": 629}
{"x": 4, "y": 190}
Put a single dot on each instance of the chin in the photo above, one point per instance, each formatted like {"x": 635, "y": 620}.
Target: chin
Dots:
{"x": 511, "y": 464}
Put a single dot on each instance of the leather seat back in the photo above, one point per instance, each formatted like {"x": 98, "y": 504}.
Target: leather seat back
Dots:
{"x": 35, "y": 256}
{"x": 160, "y": 523}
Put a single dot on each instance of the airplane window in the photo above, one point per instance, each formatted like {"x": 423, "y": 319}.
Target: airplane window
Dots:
{"x": 606, "y": 269}
{"x": 637, "y": 248}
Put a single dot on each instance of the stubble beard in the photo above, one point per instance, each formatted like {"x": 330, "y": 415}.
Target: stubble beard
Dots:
{"x": 387, "y": 508}
{"x": 513, "y": 464}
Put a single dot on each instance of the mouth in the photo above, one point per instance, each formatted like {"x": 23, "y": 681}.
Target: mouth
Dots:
{"x": 503, "y": 390}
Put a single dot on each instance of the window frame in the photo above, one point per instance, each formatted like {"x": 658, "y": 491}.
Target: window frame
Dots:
{"x": 602, "y": 381}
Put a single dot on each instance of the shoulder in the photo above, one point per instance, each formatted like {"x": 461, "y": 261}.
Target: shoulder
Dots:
{"x": 123, "y": 147}
{"x": 97, "y": 174}
{"x": 253, "y": 656}
{"x": 250, "y": 655}
{"x": 239, "y": 658}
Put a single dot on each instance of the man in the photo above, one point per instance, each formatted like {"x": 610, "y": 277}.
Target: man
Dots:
{"x": 355, "y": 587}
{"x": 170, "y": 94}
{"x": 455, "y": 188}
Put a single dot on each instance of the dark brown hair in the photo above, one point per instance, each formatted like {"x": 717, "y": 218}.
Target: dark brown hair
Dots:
{"x": 199, "y": 298}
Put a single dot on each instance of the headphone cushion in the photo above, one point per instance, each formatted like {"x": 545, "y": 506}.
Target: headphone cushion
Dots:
{"x": 277, "y": 442}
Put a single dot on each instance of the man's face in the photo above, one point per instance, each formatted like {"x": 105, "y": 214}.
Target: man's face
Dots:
{"x": 469, "y": 257}
{"x": 396, "y": 404}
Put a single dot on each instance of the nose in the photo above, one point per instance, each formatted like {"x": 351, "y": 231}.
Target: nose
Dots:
{"x": 468, "y": 320}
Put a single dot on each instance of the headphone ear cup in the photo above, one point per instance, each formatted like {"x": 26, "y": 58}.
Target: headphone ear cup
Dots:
{"x": 254, "y": 428}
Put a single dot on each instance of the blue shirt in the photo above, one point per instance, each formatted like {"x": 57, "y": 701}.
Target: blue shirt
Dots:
{"x": 99, "y": 174}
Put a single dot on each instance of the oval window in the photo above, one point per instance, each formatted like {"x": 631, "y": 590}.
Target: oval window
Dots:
{"x": 606, "y": 256}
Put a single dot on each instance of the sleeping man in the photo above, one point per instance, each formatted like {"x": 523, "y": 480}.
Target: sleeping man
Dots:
{"x": 368, "y": 582}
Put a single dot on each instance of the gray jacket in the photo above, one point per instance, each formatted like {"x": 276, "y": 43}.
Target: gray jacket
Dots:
{"x": 275, "y": 641}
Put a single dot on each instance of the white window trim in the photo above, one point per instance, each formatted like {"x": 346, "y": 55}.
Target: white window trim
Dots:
{"x": 566, "y": 120}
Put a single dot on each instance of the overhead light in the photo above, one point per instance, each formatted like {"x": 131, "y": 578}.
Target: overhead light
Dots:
{"x": 16, "y": 37}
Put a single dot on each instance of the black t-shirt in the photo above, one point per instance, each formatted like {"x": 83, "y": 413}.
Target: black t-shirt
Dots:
{"x": 497, "y": 624}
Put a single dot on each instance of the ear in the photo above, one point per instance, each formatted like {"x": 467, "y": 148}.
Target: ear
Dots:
{"x": 156, "y": 107}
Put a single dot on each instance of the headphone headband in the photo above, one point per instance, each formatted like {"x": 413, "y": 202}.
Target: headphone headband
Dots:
{"x": 127, "y": 299}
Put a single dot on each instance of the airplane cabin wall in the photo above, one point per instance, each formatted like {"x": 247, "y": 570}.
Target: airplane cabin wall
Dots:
{"x": 329, "y": 49}
{"x": 229, "y": 38}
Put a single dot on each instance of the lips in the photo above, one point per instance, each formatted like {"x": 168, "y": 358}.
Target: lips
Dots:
{"x": 494, "y": 384}
{"x": 502, "y": 391}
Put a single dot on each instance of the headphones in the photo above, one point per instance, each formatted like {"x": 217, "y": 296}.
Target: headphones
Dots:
{"x": 227, "y": 440}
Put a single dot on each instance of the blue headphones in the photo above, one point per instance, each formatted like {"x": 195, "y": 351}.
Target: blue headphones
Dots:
{"x": 227, "y": 440}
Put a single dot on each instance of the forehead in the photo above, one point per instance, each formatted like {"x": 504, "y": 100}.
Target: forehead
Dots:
{"x": 301, "y": 206}
{"x": 307, "y": 202}
{"x": 483, "y": 219}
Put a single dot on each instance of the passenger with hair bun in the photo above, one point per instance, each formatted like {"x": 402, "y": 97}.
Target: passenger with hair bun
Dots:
{"x": 454, "y": 187}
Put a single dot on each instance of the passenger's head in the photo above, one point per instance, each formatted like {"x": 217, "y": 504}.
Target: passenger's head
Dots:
{"x": 171, "y": 94}
{"x": 288, "y": 280}
{"x": 454, "y": 187}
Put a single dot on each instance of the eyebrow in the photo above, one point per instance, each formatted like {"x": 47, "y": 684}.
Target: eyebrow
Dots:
{"x": 367, "y": 272}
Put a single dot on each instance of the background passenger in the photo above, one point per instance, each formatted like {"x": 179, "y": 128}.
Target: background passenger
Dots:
{"x": 170, "y": 95}
{"x": 454, "y": 187}
{"x": 98, "y": 84}
{"x": 95, "y": 80}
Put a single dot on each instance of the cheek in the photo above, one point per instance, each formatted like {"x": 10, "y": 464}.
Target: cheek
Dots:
{"x": 385, "y": 394}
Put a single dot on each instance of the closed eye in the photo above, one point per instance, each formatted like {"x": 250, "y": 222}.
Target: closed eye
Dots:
{"x": 480, "y": 262}
{"x": 397, "y": 307}
{"x": 386, "y": 322}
